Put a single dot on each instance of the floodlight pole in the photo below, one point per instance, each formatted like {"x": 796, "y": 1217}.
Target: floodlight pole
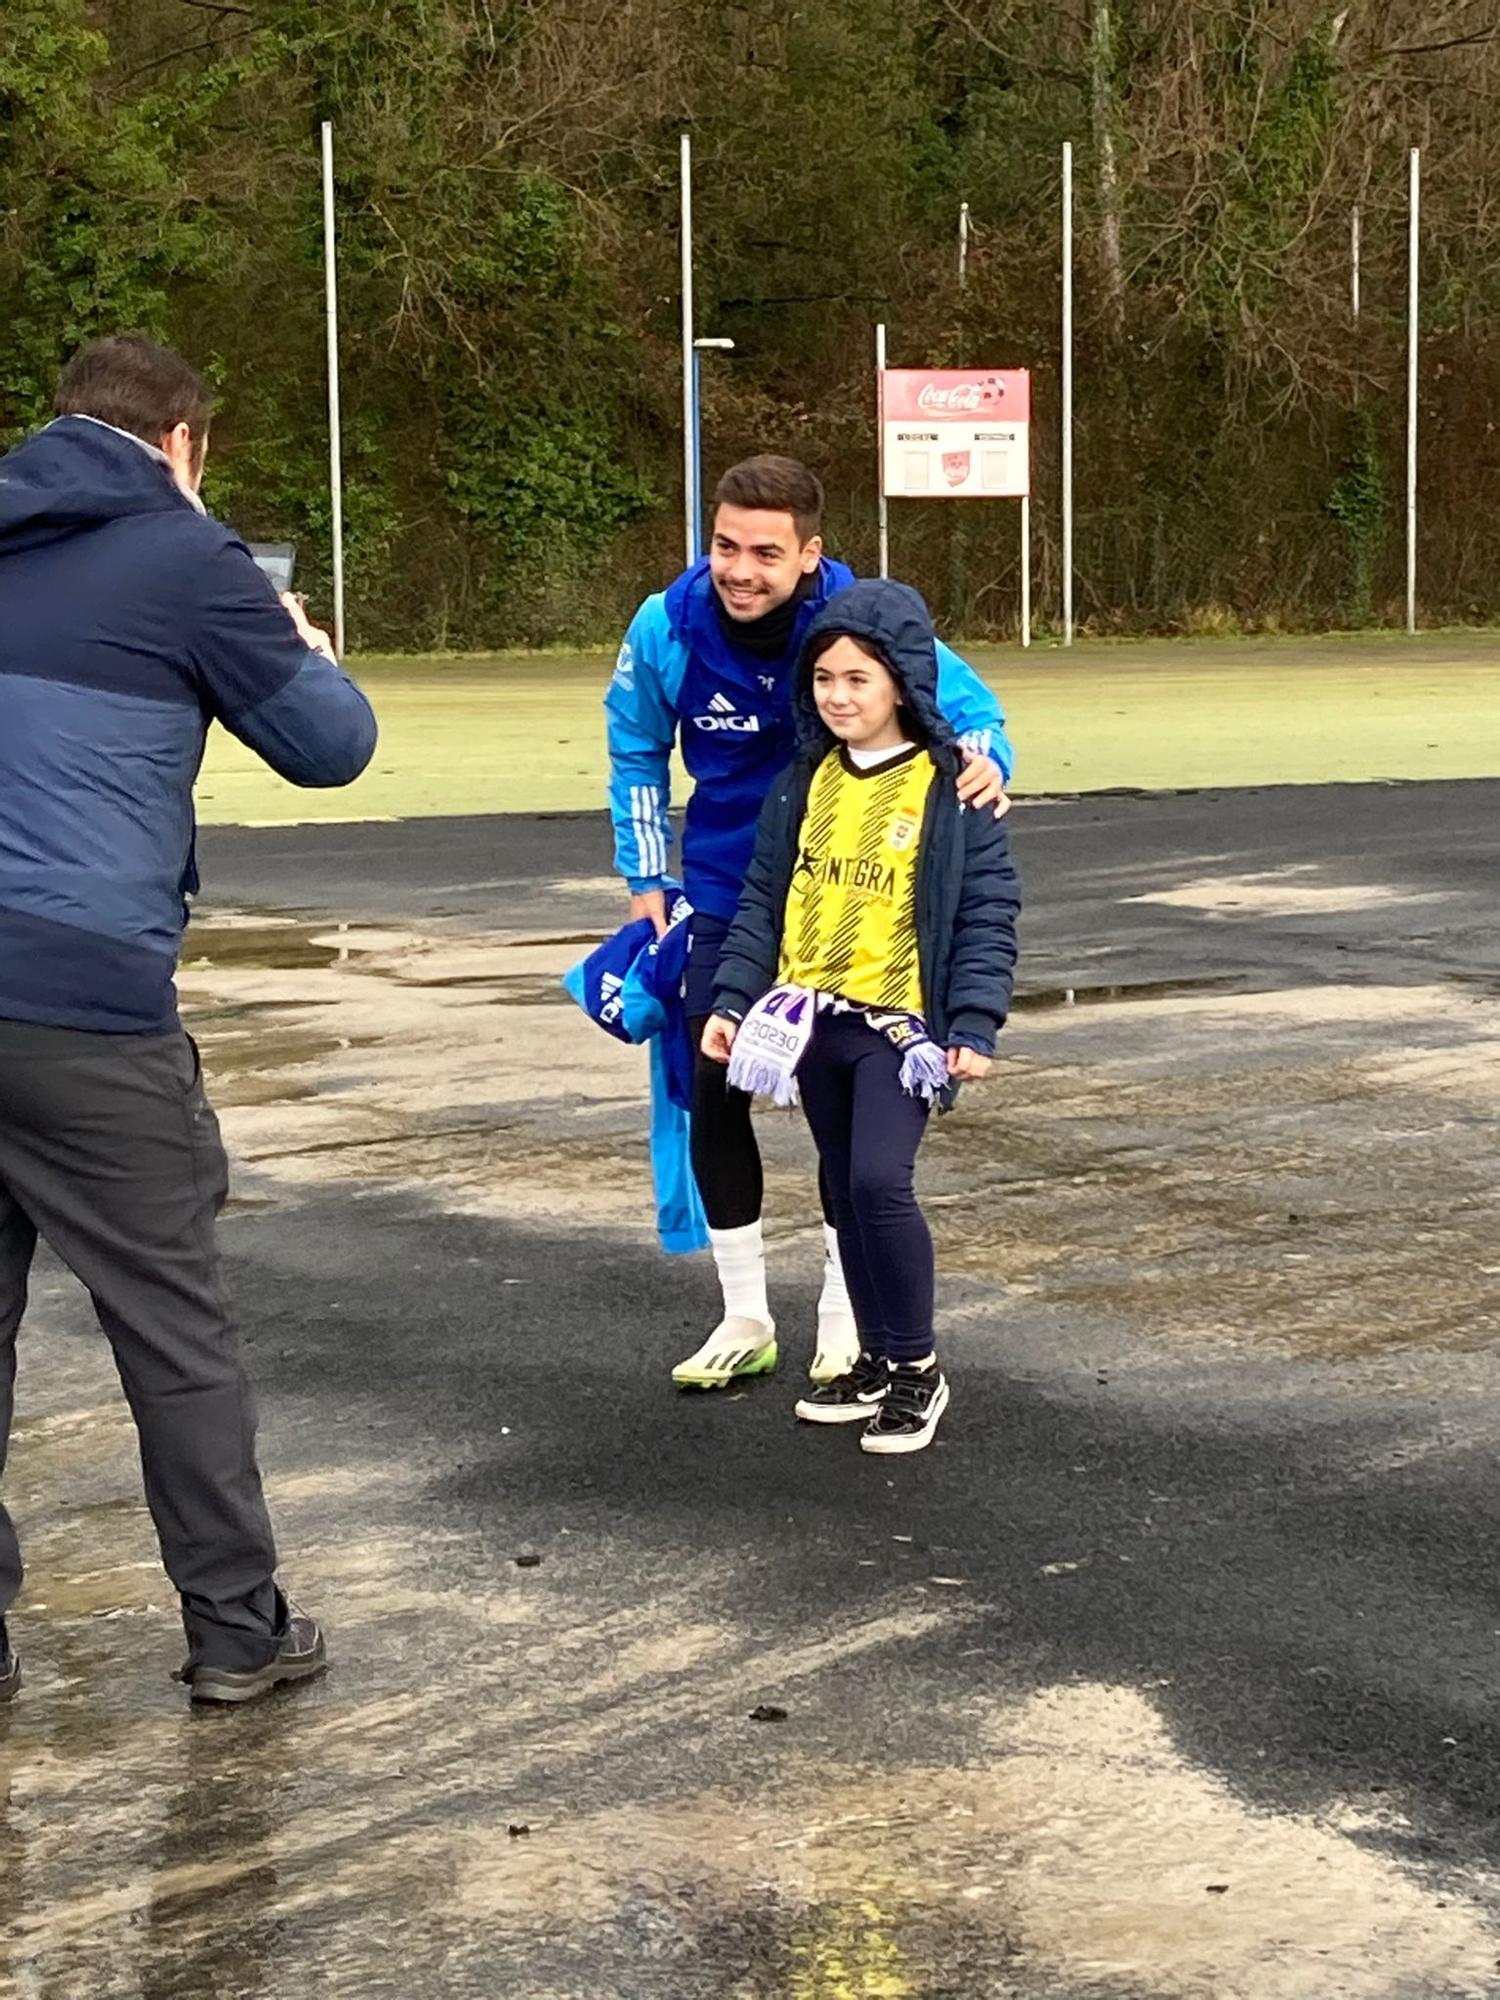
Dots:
{"x": 883, "y": 516}
{"x": 689, "y": 366}
{"x": 335, "y": 432}
{"x": 1411, "y": 388}
{"x": 1067, "y": 391}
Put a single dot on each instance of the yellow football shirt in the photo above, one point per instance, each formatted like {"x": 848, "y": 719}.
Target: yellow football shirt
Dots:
{"x": 851, "y": 912}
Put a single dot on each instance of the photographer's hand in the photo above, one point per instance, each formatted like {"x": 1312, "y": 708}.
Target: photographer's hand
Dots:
{"x": 311, "y": 635}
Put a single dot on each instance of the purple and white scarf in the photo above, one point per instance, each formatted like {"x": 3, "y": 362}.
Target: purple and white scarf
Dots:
{"x": 774, "y": 1036}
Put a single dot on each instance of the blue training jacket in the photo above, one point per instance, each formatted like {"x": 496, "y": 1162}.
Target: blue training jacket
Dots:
{"x": 678, "y": 673}
{"x": 129, "y": 621}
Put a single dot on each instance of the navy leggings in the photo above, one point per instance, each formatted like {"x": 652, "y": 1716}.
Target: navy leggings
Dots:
{"x": 868, "y": 1130}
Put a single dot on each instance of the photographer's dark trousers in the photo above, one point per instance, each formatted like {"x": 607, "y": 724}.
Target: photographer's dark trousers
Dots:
{"x": 110, "y": 1152}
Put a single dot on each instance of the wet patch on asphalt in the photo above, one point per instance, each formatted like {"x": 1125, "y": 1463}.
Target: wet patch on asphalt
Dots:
{"x": 544, "y": 1780}
{"x": 445, "y": 1812}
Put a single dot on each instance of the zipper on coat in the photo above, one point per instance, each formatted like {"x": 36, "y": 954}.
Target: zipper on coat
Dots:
{"x": 927, "y": 919}
{"x": 800, "y": 781}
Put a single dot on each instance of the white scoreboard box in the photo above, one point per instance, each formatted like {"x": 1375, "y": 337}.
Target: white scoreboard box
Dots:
{"x": 955, "y": 434}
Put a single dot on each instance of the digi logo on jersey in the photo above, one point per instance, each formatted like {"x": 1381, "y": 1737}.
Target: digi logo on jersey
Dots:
{"x": 722, "y": 714}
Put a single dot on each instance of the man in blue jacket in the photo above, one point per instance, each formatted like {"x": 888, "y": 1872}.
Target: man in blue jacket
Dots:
{"x": 710, "y": 661}
{"x": 129, "y": 621}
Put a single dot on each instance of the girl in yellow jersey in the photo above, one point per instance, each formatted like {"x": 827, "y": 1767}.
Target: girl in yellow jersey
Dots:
{"x": 869, "y": 970}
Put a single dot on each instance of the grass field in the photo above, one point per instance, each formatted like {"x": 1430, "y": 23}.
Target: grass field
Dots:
{"x": 523, "y": 732}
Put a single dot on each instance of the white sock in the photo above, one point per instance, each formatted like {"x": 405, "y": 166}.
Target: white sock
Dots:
{"x": 834, "y": 1308}
{"x": 740, "y": 1255}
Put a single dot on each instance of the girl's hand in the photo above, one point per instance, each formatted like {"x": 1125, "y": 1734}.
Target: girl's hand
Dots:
{"x": 718, "y": 1037}
{"x": 980, "y": 783}
{"x": 964, "y": 1064}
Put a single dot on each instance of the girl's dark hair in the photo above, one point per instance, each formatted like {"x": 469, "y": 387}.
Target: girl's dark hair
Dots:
{"x": 128, "y": 381}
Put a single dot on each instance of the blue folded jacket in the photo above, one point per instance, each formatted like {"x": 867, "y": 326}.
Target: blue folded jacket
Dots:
{"x": 631, "y": 986}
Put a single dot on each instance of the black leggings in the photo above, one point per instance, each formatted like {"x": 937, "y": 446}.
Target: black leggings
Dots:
{"x": 868, "y": 1130}
{"x": 726, "y": 1155}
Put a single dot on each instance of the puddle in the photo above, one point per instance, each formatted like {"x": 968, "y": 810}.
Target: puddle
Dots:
{"x": 1059, "y": 1842}
{"x": 259, "y": 941}
{"x": 270, "y": 1052}
{"x": 220, "y": 945}
{"x": 1075, "y": 1847}
{"x": 1038, "y": 998}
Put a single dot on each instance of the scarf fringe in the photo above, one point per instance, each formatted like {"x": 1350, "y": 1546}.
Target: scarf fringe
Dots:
{"x": 924, "y": 1071}
{"x": 761, "y": 1078}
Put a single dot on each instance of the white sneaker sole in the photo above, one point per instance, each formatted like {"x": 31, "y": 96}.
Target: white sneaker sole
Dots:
{"x": 888, "y": 1447}
{"x": 838, "y": 1413}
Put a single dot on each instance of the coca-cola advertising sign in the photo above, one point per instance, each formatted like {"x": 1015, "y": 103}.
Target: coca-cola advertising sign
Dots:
{"x": 956, "y": 434}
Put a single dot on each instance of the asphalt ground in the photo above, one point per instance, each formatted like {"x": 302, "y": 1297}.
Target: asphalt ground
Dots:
{"x": 1087, "y": 863}
{"x": 1169, "y": 1671}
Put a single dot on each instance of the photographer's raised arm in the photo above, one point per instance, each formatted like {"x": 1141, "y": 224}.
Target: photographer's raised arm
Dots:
{"x": 291, "y": 703}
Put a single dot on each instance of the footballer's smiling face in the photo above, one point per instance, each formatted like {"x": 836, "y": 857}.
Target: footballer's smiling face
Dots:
{"x": 757, "y": 559}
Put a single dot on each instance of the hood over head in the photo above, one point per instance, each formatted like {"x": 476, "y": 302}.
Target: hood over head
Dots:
{"x": 893, "y": 621}
{"x": 76, "y": 474}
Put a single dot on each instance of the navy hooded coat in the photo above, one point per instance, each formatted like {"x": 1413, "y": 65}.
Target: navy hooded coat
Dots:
{"x": 129, "y": 621}
{"x": 968, "y": 892}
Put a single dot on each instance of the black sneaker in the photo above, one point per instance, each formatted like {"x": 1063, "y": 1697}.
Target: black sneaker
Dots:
{"x": 10, "y": 1667}
{"x": 848, "y": 1399}
{"x": 302, "y": 1657}
{"x": 908, "y": 1417}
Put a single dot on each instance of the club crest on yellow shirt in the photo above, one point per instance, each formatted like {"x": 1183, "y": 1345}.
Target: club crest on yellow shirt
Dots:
{"x": 903, "y": 832}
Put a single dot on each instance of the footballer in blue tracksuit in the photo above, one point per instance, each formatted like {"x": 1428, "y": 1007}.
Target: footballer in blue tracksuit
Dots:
{"x": 710, "y": 663}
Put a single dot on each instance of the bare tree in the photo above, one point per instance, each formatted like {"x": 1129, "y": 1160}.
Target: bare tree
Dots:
{"x": 1103, "y": 114}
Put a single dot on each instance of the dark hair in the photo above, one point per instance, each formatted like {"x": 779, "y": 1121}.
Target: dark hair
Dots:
{"x": 128, "y": 381}
{"x": 776, "y": 486}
